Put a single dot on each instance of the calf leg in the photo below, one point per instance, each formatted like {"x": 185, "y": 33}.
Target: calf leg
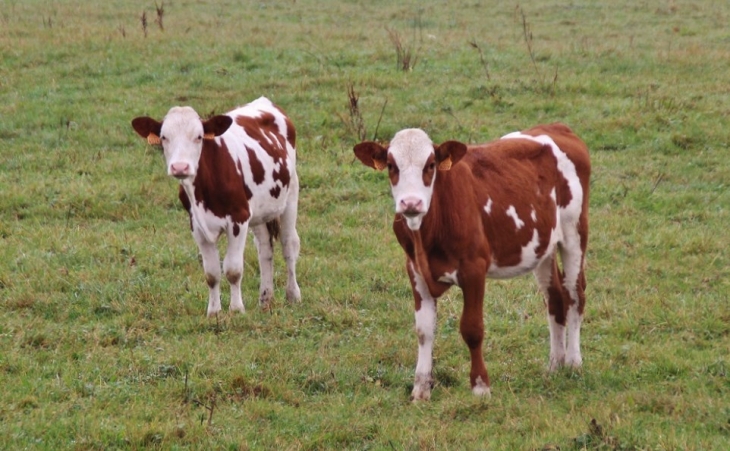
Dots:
{"x": 548, "y": 279}
{"x": 572, "y": 256}
{"x": 264, "y": 246}
{"x": 425, "y": 329}
{"x": 212, "y": 268}
{"x": 233, "y": 263}
{"x": 290, "y": 243}
{"x": 472, "y": 329}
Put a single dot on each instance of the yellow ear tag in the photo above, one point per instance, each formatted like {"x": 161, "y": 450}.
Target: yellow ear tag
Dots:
{"x": 445, "y": 165}
{"x": 379, "y": 165}
{"x": 209, "y": 136}
{"x": 153, "y": 139}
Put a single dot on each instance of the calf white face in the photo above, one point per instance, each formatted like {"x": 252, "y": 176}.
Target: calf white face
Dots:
{"x": 412, "y": 161}
{"x": 181, "y": 134}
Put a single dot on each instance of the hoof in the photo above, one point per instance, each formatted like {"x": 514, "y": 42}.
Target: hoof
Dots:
{"x": 265, "y": 304}
{"x": 420, "y": 395}
{"x": 422, "y": 388}
{"x": 213, "y": 313}
{"x": 294, "y": 296}
{"x": 266, "y": 298}
{"x": 481, "y": 389}
{"x": 556, "y": 364}
{"x": 575, "y": 363}
{"x": 237, "y": 308}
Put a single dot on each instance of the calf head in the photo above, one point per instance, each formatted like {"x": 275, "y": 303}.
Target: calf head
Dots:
{"x": 413, "y": 162}
{"x": 181, "y": 134}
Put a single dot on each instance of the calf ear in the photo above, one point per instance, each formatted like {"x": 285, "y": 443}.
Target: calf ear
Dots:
{"x": 149, "y": 128}
{"x": 372, "y": 154}
{"x": 216, "y": 126}
{"x": 449, "y": 153}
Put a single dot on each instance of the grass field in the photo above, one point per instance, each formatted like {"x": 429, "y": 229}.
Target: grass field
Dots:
{"x": 104, "y": 343}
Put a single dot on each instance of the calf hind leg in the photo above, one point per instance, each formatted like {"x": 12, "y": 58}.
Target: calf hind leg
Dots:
{"x": 572, "y": 257}
{"x": 548, "y": 278}
{"x": 290, "y": 246}
{"x": 264, "y": 246}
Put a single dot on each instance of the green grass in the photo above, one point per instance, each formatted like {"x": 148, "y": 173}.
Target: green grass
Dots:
{"x": 104, "y": 343}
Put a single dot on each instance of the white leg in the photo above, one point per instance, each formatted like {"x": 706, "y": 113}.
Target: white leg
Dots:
{"x": 546, "y": 275}
{"x": 263, "y": 242}
{"x": 290, "y": 242}
{"x": 572, "y": 258}
{"x": 233, "y": 263}
{"x": 557, "y": 343}
{"x": 425, "y": 329}
{"x": 573, "y": 357}
{"x": 212, "y": 268}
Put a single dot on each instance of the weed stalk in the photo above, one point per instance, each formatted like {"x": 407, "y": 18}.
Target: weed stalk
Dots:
{"x": 527, "y": 34}
{"x": 356, "y": 122}
{"x": 160, "y": 12}
{"x": 143, "y": 20}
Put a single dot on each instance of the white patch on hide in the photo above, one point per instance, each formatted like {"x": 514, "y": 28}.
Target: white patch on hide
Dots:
{"x": 512, "y": 213}
{"x": 450, "y": 277}
{"x": 488, "y": 207}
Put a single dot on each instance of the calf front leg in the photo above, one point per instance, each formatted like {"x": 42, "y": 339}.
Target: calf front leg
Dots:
{"x": 425, "y": 328}
{"x": 290, "y": 243}
{"x": 233, "y": 263}
{"x": 574, "y": 282}
{"x": 212, "y": 268}
{"x": 472, "y": 331}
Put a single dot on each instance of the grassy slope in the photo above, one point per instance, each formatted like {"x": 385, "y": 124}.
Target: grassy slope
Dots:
{"x": 103, "y": 335}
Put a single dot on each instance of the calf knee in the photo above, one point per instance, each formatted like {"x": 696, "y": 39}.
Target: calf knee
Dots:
{"x": 291, "y": 248}
{"x": 211, "y": 279}
{"x": 472, "y": 335}
{"x": 233, "y": 276}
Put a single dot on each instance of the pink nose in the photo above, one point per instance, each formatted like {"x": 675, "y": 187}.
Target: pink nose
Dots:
{"x": 180, "y": 170}
{"x": 411, "y": 206}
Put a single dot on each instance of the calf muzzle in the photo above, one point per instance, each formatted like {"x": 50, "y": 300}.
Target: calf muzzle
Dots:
{"x": 180, "y": 170}
{"x": 410, "y": 206}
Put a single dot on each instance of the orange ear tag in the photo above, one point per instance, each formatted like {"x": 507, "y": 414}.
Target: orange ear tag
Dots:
{"x": 153, "y": 139}
{"x": 209, "y": 136}
{"x": 445, "y": 165}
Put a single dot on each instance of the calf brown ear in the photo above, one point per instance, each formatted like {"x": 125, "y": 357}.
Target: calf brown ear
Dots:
{"x": 372, "y": 154}
{"x": 449, "y": 153}
{"x": 216, "y": 126}
{"x": 149, "y": 128}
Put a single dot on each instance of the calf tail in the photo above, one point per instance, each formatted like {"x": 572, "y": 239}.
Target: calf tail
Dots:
{"x": 274, "y": 228}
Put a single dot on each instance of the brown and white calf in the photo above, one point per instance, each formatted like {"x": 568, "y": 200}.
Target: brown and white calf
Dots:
{"x": 498, "y": 210}
{"x": 235, "y": 170}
